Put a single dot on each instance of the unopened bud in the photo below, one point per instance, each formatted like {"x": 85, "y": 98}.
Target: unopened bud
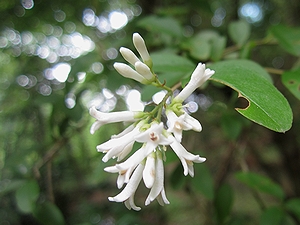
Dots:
{"x": 129, "y": 56}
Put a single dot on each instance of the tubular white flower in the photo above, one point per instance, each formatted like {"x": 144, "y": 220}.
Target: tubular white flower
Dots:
{"x": 149, "y": 171}
{"x": 129, "y": 203}
{"x": 158, "y": 186}
{"x": 151, "y": 138}
{"x": 128, "y": 72}
{"x": 129, "y": 56}
{"x": 194, "y": 123}
{"x": 162, "y": 198}
{"x": 118, "y": 147}
{"x": 112, "y": 117}
{"x": 128, "y": 192}
{"x": 140, "y": 46}
{"x": 184, "y": 122}
{"x": 154, "y": 136}
{"x": 144, "y": 70}
{"x": 186, "y": 158}
{"x": 198, "y": 77}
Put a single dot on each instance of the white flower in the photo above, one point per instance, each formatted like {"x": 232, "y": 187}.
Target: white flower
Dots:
{"x": 184, "y": 122}
{"x": 158, "y": 190}
{"x": 140, "y": 46}
{"x": 154, "y": 136}
{"x": 144, "y": 70}
{"x": 112, "y": 117}
{"x": 186, "y": 158}
{"x": 128, "y": 72}
{"x": 127, "y": 194}
{"x": 198, "y": 77}
{"x": 119, "y": 145}
{"x": 149, "y": 171}
{"x": 129, "y": 56}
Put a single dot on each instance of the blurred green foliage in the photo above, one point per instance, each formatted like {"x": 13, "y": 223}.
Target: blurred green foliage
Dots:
{"x": 50, "y": 170}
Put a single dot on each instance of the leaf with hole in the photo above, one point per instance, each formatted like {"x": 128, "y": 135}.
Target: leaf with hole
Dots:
{"x": 267, "y": 106}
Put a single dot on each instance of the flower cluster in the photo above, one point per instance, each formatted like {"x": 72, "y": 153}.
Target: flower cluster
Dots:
{"x": 147, "y": 128}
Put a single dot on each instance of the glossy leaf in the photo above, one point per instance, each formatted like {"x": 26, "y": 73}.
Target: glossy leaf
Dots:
{"x": 291, "y": 80}
{"x": 288, "y": 38}
{"x": 170, "y": 68}
{"x": 167, "y": 25}
{"x": 169, "y": 63}
{"x": 293, "y": 205}
{"x": 267, "y": 106}
{"x": 239, "y": 32}
{"x": 260, "y": 183}
{"x": 223, "y": 202}
{"x": 272, "y": 216}
{"x": 48, "y": 214}
{"x": 27, "y": 195}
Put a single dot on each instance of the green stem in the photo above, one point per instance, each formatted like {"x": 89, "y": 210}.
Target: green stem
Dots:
{"x": 159, "y": 108}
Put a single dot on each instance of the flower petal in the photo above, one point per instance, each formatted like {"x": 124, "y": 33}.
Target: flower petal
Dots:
{"x": 128, "y": 72}
{"x": 131, "y": 187}
{"x": 140, "y": 46}
{"x": 159, "y": 179}
{"x": 129, "y": 56}
{"x": 129, "y": 203}
{"x": 149, "y": 171}
{"x": 186, "y": 157}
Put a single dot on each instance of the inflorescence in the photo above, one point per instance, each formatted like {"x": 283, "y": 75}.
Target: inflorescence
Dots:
{"x": 147, "y": 128}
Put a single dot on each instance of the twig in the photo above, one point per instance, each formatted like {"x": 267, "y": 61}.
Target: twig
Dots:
{"x": 274, "y": 71}
{"x": 49, "y": 156}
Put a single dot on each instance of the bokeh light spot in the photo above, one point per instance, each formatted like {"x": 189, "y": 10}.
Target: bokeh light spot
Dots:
{"x": 117, "y": 19}
{"x": 27, "y": 4}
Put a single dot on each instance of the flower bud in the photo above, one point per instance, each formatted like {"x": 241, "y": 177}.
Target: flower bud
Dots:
{"x": 127, "y": 71}
{"x": 140, "y": 46}
{"x": 129, "y": 56}
{"x": 198, "y": 77}
{"x": 144, "y": 70}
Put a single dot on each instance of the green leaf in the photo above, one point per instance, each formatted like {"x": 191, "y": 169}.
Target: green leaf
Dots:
{"x": 170, "y": 69}
{"x": 267, "y": 106}
{"x": 218, "y": 45}
{"x": 205, "y": 45}
{"x": 272, "y": 216}
{"x": 170, "y": 63}
{"x": 293, "y": 205}
{"x": 288, "y": 38}
{"x": 223, "y": 202}
{"x": 203, "y": 181}
{"x": 48, "y": 214}
{"x": 10, "y": 185}
{"x": 167, "y": 25}
{"x": 239, "y": 32}
{"x": 198, "y": 47}
{"x": 27, "y": 195}
{"x": 291, "y": 80}
{"x": 260, "y": 183}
